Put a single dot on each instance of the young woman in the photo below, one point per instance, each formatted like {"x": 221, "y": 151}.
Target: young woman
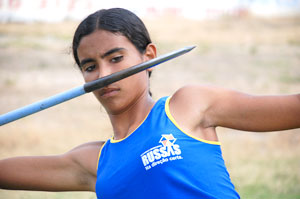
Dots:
{"x": 163, "y": 149}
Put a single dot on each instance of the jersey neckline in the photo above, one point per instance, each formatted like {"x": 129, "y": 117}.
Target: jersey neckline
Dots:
{"x": 112, "y": 140}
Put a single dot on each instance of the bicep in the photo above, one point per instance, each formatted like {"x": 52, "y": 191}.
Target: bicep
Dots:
{"x": 47, "y": 173}
{"x": 72, "y": 171}
{"x": 240, "y": 111}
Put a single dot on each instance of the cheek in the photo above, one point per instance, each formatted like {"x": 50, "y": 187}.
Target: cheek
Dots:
{"x": 138, "y": 81}
{"x": 88, "y": 77}
{"x": 97, "y": 95}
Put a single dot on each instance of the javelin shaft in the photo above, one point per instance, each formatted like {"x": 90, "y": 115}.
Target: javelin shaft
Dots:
{"x": 86, "y": 88}
{"x": 104, "y": 81}
{"x": 41, "y": 105}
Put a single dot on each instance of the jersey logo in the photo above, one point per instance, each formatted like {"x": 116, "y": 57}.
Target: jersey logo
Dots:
{"x": 158, "y": 155}
{"x": 167, "y": 140}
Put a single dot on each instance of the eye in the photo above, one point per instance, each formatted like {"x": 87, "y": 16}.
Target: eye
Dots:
{"x": 89, "y": 68}
{"x": 117, "y": 59}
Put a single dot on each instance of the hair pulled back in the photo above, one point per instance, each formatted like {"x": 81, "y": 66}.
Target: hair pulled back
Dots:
{"x": 115, "y": 20}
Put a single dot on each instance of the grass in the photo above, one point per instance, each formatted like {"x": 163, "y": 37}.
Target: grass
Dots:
{"x": 258, "y": 56}
{"x": 284, "y": 182}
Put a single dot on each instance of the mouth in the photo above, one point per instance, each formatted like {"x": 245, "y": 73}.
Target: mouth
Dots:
{"x": 108, "y": 92}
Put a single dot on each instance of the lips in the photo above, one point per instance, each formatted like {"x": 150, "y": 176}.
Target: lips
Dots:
{"x": 108, "y": 91}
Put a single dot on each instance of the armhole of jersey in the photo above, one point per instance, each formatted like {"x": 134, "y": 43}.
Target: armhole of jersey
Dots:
{"x": 167, "y": 109}
{"x": 100, "y": 155}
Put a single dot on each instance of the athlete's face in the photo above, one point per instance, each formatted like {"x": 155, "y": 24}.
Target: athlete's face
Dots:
{"x": 103, "y": 53}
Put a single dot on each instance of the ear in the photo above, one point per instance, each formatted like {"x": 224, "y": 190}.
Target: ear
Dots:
{"x": 150, "y": 53}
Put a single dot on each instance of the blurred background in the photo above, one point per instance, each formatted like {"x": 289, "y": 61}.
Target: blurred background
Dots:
{"x": 252, "y": 46}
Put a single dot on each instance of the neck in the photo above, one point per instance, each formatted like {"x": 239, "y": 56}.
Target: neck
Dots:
{"x": 127, "y": 121}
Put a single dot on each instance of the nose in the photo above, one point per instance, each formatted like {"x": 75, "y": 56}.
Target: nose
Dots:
{"x": 104, "y": 71}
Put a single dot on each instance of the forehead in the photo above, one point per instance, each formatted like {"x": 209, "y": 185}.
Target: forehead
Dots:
{"x": 101, "y": 41}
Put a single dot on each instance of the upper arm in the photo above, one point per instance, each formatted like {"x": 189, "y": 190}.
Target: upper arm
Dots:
{"x": 255, "y": 113}
{"x": 212, "y": 107}
{"x": 72, "y": 171}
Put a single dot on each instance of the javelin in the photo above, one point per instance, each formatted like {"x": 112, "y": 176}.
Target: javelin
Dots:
{"x": 87, "y": 87}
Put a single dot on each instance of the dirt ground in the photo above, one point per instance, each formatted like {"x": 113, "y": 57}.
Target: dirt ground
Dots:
{"x": 253, "y": 55}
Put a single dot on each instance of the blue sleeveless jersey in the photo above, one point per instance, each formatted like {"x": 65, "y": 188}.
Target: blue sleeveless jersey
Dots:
{"x": 159, "y": 160}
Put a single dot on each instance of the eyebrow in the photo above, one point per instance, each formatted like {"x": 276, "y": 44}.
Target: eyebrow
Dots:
{"x": 111, "y": 52}
{"x": 84, "y": 61}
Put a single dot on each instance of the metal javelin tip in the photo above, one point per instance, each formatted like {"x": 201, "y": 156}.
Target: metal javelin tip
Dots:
{"x": 189, "y": 48}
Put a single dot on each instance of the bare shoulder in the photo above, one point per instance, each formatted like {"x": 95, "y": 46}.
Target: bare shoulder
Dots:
{"x": 194, "y": 95}
{"x": 89, "y": 146}
{"x": 191, "y": 102}
{"x": 196, "y": 102}
{"x": 86, "y": 155}
{"x": 201, "y": 96}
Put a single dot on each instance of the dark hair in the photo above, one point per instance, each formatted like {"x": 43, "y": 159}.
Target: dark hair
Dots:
{"x": 115, "y": 20}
